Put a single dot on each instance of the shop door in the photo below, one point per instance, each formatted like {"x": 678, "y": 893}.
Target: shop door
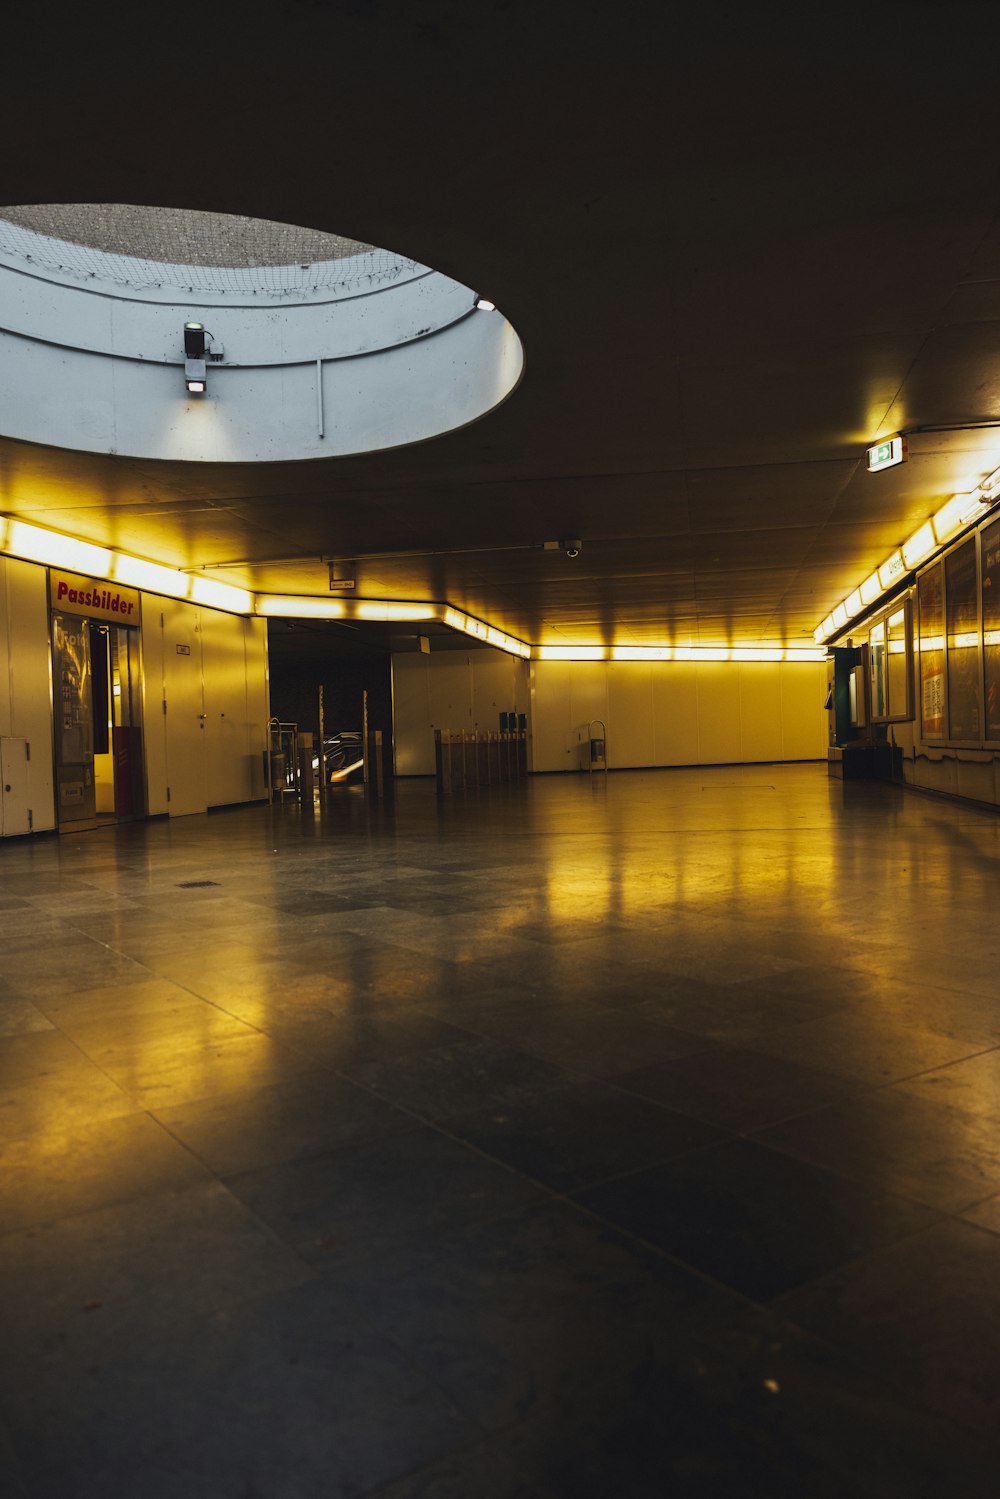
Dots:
{"x": 14, "y": 814}
{"x": 126, "y": 723}
{"x": 74, "y": 720}
{"x": 184, "y": 694}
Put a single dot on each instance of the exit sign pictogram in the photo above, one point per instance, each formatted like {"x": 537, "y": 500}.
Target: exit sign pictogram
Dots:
{"x": 887, "y": 453}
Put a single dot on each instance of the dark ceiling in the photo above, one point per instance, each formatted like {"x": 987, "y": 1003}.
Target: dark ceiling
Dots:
{"x": 738, "y": 242}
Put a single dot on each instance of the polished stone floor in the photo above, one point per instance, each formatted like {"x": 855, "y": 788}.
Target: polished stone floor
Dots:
{"x": 590, "y": 1140}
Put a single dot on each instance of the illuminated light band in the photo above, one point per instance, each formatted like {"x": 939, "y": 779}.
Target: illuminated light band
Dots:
{"x": 960, "y": 511}
{"x": 677, "y": 653}
{"x": 52, "y": 549}
{"x": 468, "y": 625}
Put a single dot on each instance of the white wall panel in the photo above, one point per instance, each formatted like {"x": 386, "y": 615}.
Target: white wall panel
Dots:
{"x": 718, "y": 713}
{"x": 450, "y": 690}
{"x": 675, "y": 715}
{"x": 630, "y": 701}
{"x": 224, "y": 676}
{"x": 258, "y": 701}
{"x": 229, "y": 776}
{"x": 760, "y": 711}
{"x": 804, "y": 728}
{"x": 154, "y": 723}
{"x": 498, "y": 686}
{"x": 552, "y": 744}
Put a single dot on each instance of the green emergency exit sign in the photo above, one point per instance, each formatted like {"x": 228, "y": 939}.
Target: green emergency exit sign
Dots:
{"x": 885, "y": 454}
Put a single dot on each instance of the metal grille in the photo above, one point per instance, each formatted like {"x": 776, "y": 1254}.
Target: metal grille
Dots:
{"x": 175, "y": 249}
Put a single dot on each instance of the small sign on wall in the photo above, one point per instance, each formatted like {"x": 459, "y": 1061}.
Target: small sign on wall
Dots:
{"x": 183, "y": 650}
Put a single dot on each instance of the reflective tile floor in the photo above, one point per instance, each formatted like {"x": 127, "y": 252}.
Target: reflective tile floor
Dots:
{"x": 629, "y": 1138}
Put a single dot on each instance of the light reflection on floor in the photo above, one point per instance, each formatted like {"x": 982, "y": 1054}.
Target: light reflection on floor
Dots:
{"x": 568, "y": 1140}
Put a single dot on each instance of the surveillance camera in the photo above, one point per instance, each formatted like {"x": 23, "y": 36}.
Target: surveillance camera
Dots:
{"x": 571, "y": 548}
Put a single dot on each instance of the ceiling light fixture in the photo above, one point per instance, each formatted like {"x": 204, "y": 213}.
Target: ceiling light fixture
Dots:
{"x": 195, "y": 363}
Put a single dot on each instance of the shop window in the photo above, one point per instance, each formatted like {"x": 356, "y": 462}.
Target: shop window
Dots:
{"x": 930, "y": 645}
{"x": 890, "y": 656}
{"x": 990, "y": 542}
{"x": 880, "y": 693}
{"x": 962, "y": 612}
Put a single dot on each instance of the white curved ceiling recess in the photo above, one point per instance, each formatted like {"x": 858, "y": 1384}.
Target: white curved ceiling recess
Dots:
{"x": 357, "y": 350}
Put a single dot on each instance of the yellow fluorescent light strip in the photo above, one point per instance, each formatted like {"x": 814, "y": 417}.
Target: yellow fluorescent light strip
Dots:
{"x": 678, "y": 653}
{"x": 480, "y": 631}
{"x": 35, "y": 544}
{"x": 950, "y": 519}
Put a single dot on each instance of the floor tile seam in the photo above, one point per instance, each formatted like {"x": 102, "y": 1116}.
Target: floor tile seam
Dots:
{"x": 731, "y": 1137}
{"x": 440, "y": 1128}
{"x": 863, "y": 1180}
{"x": 776, "y": 1306}
{"x": 971, "y": 1206}
{"x": 753, "y": 1044}
{"x": 30, "y": 1082}
{"x": 212, "y": 1178}
{"x": 489, "y": 1436}
{"x": 736, "y": 1132}
{"x": 900, "y": 1394}
{"x": 650, "y": 1247}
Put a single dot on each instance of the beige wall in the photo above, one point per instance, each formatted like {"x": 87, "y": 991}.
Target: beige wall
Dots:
{"x": 25, "y": 678}
{"x": 677, "y": 713}
{"x": 450, "y": 690}
{"x": 223, "y": 678}
{"x": 660, "y": 713}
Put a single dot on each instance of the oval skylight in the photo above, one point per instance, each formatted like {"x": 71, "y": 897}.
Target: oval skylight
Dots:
{"x": 314, "y": 345}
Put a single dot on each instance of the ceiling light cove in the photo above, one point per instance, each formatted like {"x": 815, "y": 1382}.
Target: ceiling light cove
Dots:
{"x": 944, "y": 526}
{"x": 161, "y": 334}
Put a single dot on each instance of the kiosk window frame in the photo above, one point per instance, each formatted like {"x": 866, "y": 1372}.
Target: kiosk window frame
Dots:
{"x": 891, "y": 634}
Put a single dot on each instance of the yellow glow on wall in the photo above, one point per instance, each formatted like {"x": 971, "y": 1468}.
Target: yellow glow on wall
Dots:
{"x": 641, "y": 653}
{"x": 966, "y": 641}
{"x": 932, "y": 642}
{"x": 54, "y": 550}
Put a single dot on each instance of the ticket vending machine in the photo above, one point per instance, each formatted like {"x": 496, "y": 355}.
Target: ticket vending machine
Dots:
{"x": 850, "y": 751}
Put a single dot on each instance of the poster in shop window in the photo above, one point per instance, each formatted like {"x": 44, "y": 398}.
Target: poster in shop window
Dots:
{"x": 991, "y": 626}
{"x": 930, "y": 600}
{"x": 962, "y": 596}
